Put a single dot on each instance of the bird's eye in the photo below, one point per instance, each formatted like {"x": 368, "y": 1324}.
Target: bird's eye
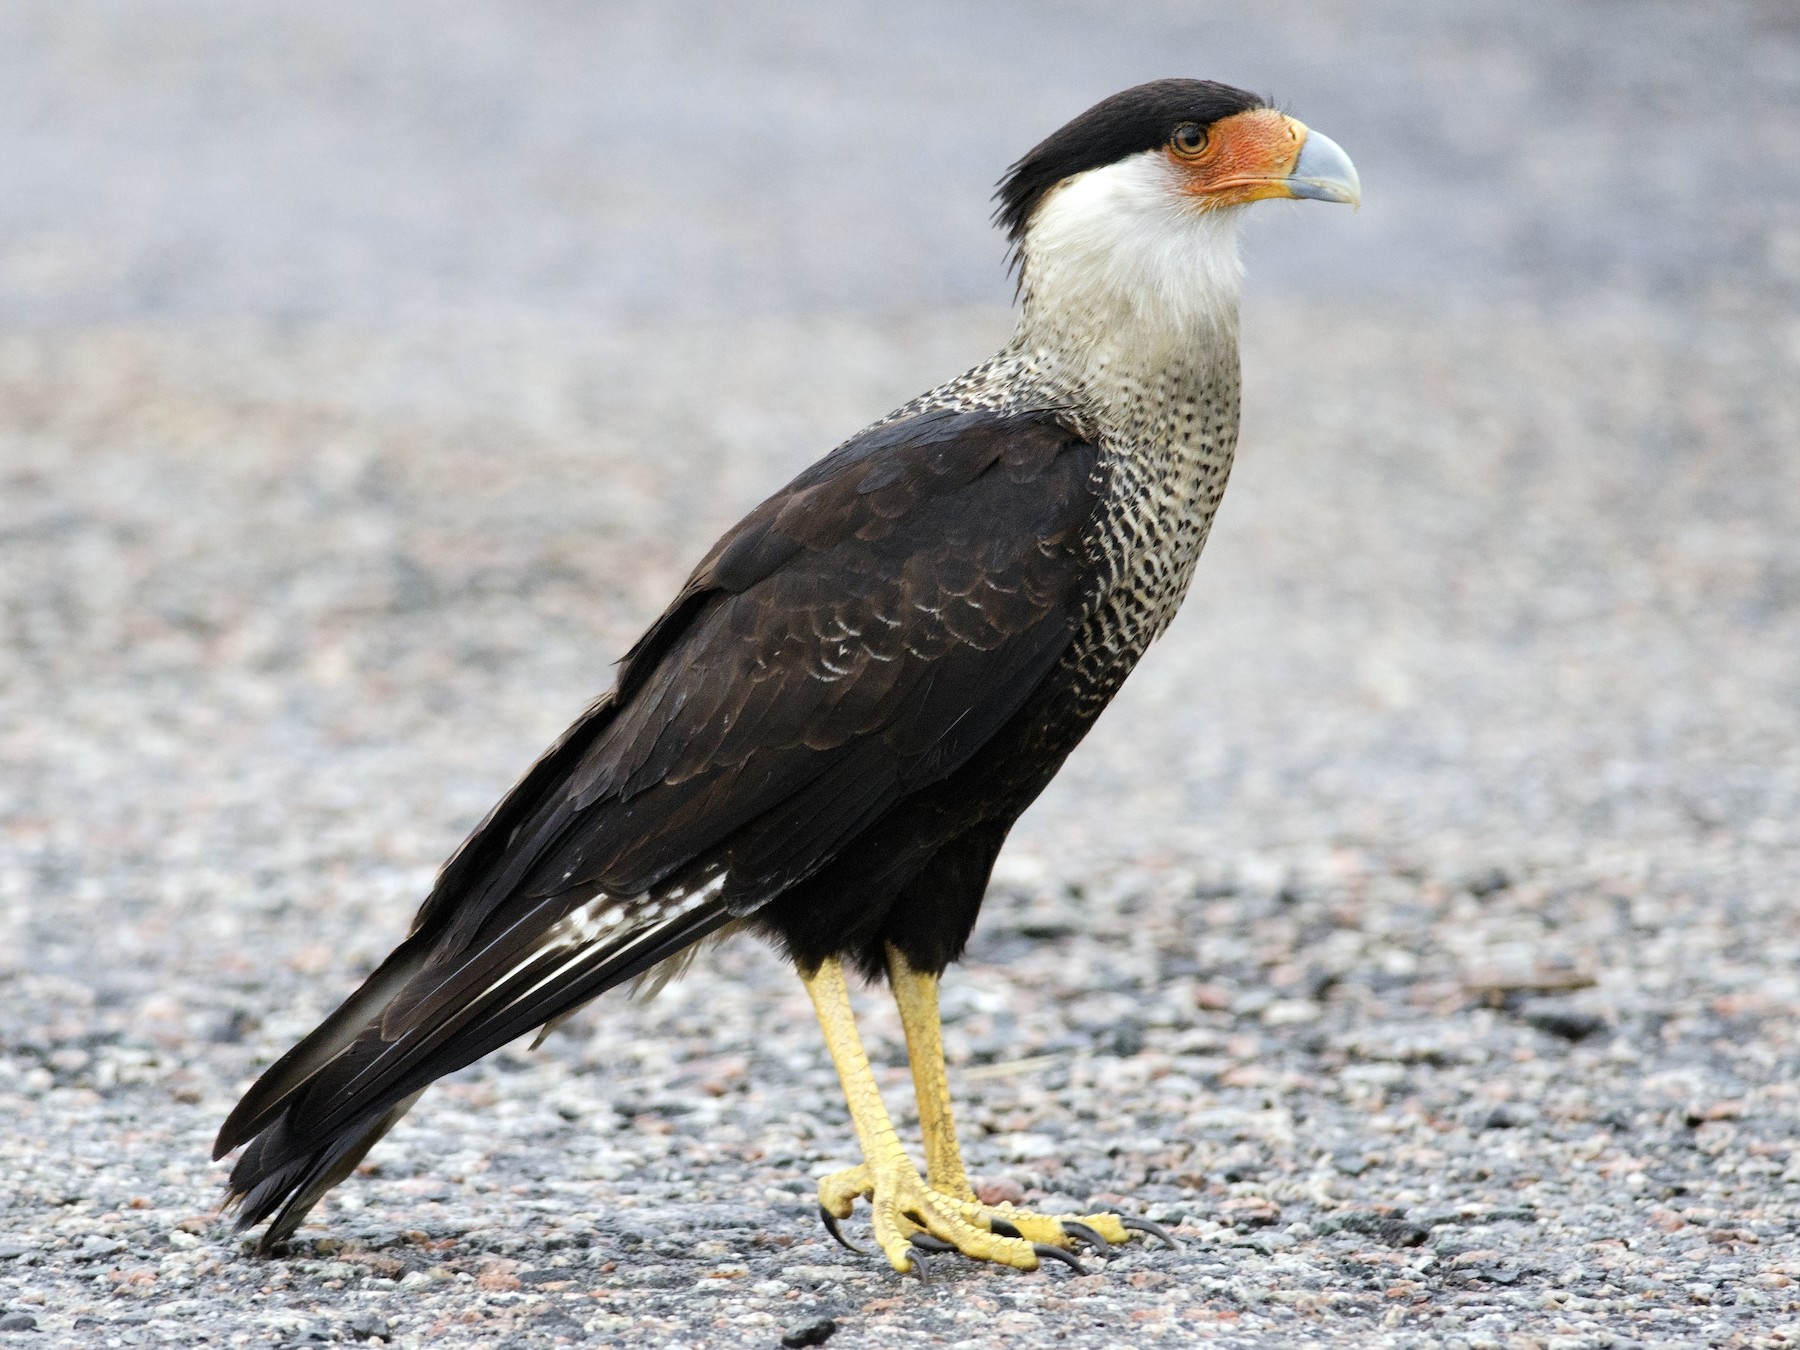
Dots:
{"x": 1189, "y": 138}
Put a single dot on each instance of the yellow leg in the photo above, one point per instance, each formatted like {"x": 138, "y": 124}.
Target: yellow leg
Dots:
{"x": 901, "y": 1202}
{"x": 917, "y": 996}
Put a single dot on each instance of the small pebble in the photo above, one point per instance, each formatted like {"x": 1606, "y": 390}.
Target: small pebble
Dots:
{"x": 369, "y": 1327}
{"x": 812, "y": 1333}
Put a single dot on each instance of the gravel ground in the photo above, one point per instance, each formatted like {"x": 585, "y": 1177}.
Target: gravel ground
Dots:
{"x": 1416, "y": 934}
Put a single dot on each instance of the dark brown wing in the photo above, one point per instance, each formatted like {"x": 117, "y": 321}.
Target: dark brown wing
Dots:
{"x": 862, "y": 632}
{"x": 858, "y": 636}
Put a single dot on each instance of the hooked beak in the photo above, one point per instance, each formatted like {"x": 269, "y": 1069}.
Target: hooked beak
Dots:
{"x": 1324, "y": 173}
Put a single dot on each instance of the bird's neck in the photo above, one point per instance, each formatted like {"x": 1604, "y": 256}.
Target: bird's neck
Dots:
{"x": 1120, "y": 309}
{"x": 1134, "y": 333}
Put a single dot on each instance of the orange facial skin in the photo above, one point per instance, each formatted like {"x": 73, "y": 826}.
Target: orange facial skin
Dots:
{"x": 1246, "y": 158}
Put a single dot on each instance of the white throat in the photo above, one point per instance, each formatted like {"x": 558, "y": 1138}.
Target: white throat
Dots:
{"x": 1126, "y": 280}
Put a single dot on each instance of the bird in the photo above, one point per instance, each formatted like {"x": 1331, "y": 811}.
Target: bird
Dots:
{"x": 826, "y": 737}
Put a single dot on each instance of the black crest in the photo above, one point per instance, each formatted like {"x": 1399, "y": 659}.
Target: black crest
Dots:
{"x": 1138, "y": 119}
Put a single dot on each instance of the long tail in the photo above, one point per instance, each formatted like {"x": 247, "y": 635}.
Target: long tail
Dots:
{"x": 316, "y": 1111}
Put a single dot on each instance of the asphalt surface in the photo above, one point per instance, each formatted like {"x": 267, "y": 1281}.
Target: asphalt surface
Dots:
{"x": 1416, "y": 935}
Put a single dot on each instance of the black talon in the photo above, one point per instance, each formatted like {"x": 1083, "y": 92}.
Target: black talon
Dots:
{"x": 931, "y": 1242}
{"x": 1076, "y": 1229}
{"x": 1001, "y": 1228}
{"x": 830, "y": 1222}
{"x": 1044, "y": 1249}
{"x": 917, "y": 1257}
{"x": 1155, "y": 1230}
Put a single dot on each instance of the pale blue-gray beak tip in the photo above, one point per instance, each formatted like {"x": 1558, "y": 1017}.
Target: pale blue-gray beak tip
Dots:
{"x": 1324, "y": 172}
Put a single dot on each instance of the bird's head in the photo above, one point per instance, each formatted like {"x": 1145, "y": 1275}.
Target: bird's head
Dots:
{"x": 1135, "y": 202}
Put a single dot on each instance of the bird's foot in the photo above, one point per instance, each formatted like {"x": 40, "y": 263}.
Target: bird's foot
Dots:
{"x": 911, "y": 1219}
{"x": 911, "y": 1213}
{"x": 1100, "y": 1232}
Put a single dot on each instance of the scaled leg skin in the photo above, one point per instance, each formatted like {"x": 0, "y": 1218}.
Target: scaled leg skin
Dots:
{"x": 904, "y": 1207}
{"x": 917, "y": 996}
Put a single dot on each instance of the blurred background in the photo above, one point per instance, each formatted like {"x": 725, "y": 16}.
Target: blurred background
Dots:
{"x": 371, "y": 374}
